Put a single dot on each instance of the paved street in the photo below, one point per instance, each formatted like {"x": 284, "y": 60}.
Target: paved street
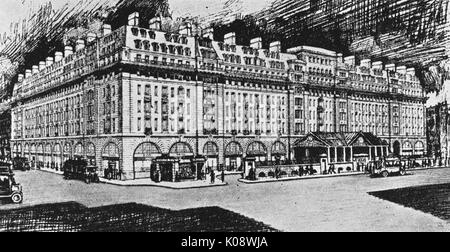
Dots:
{"x": 331, "y": 204}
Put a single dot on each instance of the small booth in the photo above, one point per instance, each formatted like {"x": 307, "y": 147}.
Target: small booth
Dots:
{"x": 172, "y": 169}
{"x": 249, "y": 167}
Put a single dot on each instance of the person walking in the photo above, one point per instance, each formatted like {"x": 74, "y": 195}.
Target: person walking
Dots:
{"x": 223, "y": 175}
{"x": 213, "y": 177}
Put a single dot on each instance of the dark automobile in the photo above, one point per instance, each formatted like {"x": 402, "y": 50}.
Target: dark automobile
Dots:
{"x": 22, "y": 164}
{"x": 80, "y": 170}
{"x": 9, "y": 189}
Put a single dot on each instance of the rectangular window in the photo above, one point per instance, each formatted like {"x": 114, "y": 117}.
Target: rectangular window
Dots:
{"x": 139, "y": 89}
{"x": 139, "y": 124}
{"x": 139, "y": 106}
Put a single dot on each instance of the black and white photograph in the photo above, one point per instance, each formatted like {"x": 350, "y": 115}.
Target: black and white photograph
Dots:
{"x": 227, "y": 116}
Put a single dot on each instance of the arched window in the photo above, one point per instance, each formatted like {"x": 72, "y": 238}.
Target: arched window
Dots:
{"x": 147, "y": 151}
{"x": 181, "y": 149}
{"x": 211, "y": 149}
{"x": 233, "y": 149}
{"x": 278, "y": 148}
{"x": 111, "y": 151}
{"x": 256, "y": 149}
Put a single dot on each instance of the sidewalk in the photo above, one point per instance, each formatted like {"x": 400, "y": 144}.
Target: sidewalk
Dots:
{"x": 149, "y": 182}
{"x": 170, "y": 185}
{"x": 269, "y": 180}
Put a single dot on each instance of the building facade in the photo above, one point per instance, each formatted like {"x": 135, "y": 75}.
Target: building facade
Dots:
{"x": 438, "y": 117}
{"x": 127, "y": 97}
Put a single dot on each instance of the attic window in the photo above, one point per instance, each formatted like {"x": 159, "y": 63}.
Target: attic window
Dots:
{"x": 135, "y": 31}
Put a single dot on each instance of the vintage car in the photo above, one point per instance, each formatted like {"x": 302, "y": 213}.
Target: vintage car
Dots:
{"x": 389, "y": 166}
{"x": 79, "y": 169}
{"x": 22, "y": 164}
{"x": 9, "y": 189}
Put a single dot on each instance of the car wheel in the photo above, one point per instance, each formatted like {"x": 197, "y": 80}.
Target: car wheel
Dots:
{"x": 17, "y": 198}
{"x": 88, "y": 180}
{"x": 402, "y": 172}
{"x": 385, "y": 174}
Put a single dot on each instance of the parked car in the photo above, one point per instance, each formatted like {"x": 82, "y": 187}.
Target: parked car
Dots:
{"x": 80, "y": 170}
{"x": 389, "y": 167}
{"x": 20, "y": 163}
{"x": 9, "y": 189}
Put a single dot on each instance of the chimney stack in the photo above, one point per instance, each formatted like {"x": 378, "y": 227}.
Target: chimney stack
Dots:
{"x": 377, "y": 65}
{"x": 275, "y": 46}
{"x": 27, "y": 73}
{"x": 155, "y": 23}
{"x": 41, "y": 65}
{"x": 58, "y": 56}
{"x": 230, "y": 38}
{"x": 208, "y": 33}
{"x": 49, "y": 61}
{"x": 401, "y": 69}
{"x": 68, "y": 50}
{"x": 367, "y": 63}
{"x": 411, "y": 71}
{"x": 133, "y": 19}
{"x": 256, "y": 43}
{"x": 186, "y": 29}
{"x": 91, "y": 37}
{"x": 350, "y": 60}
{"x": 106, "y": 29}
{"x": 20, "y": 78}
{"x": 80, "y": 45}
{"x": 35, "y": 69}
{"x": 390, "y": 67}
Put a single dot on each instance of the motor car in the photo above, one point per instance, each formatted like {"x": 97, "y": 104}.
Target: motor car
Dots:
{"x": 389, "y": 166}
{"x": 80, "y": 170}
{"x": 20, "y": 163}
{"x": 9, "y": 189}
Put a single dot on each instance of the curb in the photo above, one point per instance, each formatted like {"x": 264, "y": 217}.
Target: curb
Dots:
{"x": 163, "y": 186}
{"x": 298, "y": 178}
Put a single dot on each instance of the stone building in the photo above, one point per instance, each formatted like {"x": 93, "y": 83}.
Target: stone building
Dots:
{"x": 123, "y": 99}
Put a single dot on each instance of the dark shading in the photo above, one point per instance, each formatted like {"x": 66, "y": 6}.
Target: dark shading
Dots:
{"x": 74, "y": 217}
{"x": 432, "y": 199}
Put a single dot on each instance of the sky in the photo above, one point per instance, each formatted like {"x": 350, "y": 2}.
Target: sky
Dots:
{"x": 14, "y": 10}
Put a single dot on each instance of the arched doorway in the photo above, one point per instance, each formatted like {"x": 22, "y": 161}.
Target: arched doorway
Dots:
{"x": 211, "y": 151}
{"x": 40, "y": 155}
{"x": 259, "y": 151}
{"x": 48, "y": 156}
{"x": 19, "y": 150}
{"x": 419, "y": 148}
{"x": 90, "y": 154}
{"x": 57, "y": 153}
{"x": 67, "y": 154}
{"x": 143, "y": 158}
{"x": 407, "y": 148}
{"x": 396, "y": 147}
{"x": 79, "y": 151}
{"x": 186, "y": 170}
{"x": 233, "y": 156}
{"x": 278, "y": 153}
{"x": 27, "y": 152}
{"x": 33, "y": 155}
{"x": 111, "y": 161}
{"x": 14, "y": 151}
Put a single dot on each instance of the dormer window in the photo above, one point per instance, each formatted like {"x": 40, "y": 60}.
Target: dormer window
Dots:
{"x": 137, "y": 44}
{"x": 152, "y": 35}
{"x": 187, "y": 52}
{"x": 143, "y": 33}
{"x": 135, "y": 31}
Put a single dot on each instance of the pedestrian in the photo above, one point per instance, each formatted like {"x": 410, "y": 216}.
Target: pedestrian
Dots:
{"x": 223, "y": 175}
{"x": 300, "y": 171}
{"x": 213, "y": 177}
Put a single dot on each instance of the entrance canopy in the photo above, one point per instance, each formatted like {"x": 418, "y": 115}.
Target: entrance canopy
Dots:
{"x": 355, "y": 139}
